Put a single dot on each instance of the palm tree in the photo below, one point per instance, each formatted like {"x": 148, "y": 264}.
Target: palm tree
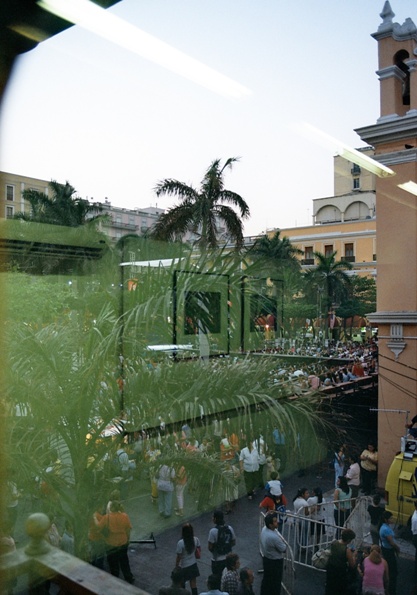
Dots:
{"x": 275, "y": 253}
{"x": 69, "y": 394}
{"x": 200, "y": 211}
{"x": 330, "y": 278}
{"x": 61, "y": 208}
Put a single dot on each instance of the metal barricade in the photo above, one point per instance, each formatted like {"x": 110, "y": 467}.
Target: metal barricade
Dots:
{"x": 305, "y": 536}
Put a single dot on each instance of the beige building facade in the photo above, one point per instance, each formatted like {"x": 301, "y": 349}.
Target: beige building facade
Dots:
{"x": 11, "y": 193}
{"x": 120, "y": 221}
{"x": 344, "y": 223}
{"x": 394, "y": 137}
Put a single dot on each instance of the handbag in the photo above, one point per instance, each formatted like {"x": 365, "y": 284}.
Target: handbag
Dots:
{"x": 197, "y": 550}
{"x": 320, "y": 559}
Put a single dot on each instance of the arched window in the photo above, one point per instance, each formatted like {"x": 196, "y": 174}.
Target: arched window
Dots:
{"x": 399, "y": 61}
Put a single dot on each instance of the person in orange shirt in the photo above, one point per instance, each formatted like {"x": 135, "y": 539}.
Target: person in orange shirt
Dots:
{"x": 117, "y": 526}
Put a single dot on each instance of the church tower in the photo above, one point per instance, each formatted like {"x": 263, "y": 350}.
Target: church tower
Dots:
{"x": 394, "y": 137}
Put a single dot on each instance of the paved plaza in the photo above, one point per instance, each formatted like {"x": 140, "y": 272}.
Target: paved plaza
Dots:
{"x": 152, "y": 566}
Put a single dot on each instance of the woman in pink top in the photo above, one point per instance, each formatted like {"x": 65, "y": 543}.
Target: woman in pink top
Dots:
{"x": 375, "y": 573}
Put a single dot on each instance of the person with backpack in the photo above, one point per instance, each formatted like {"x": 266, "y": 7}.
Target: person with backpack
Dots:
{"x": 221, "y": 540}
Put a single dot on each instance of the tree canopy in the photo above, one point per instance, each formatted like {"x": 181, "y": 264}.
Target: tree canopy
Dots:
{"x": 202, "y": 211}
{"x": 275, "y": 253}
{"x": 329, "y": 276}
{"x": 62, "y": 207}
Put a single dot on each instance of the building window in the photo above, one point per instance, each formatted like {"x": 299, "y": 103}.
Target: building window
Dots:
{"x": 348, "y": 249}
{"x": 118, "y": 219}
{"x": 9, "y": 213}
{"x": 144, "y": 223}
{"x": 356, "y": 170}
{"x": 349, "y": 256}
{"x": 131, "y": 220}
{"x": 308, "y": 255}
{"x": 356, "y": 184}
{"x": 9, "y": 192}
{"x": 328, "y": 250}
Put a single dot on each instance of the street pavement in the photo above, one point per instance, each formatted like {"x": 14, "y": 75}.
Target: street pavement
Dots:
{"x": 152, "y": 566}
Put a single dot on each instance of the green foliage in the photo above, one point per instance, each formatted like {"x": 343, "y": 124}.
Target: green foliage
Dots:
{"x": 64, "y": 368}
{"x": 274, "y": 255}
{"x": 361, "y": 298}
{"x": 201, "y": 210}
{"x": 61, "y": 208}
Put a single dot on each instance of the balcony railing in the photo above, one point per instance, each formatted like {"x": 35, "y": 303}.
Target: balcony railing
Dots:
{"x": 120, "y": 224}
{"x": 308, "y": 261}
{"x": 348, "y": 259}
{"x": 39, "y": 562}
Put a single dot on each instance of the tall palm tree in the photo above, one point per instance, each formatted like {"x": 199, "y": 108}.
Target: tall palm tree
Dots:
{"x": 201, "y": 210}
{"x": 330, "y": 278}
{"x": 63, "y": 207}
{"x": 275, "y": 253}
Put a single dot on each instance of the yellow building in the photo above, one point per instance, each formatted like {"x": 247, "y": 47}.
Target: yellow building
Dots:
{"x": 11, "y": 193}
{"x": 344, "y": 223}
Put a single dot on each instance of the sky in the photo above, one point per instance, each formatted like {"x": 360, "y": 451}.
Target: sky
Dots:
{"x": 82, "y": 109}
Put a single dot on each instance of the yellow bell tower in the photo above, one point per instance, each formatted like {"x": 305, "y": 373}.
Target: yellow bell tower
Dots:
{"x": 394, "y": 137}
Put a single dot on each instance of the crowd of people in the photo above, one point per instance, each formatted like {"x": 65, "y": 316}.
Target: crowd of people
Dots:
{"x": 333, "y": 349}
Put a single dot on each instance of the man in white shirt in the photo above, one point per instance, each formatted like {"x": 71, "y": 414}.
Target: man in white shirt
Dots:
{"x": 272, "y": 548}
{"x": 353, "y": 476}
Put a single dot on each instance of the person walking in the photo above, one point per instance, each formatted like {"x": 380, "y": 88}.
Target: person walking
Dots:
{"x": 272, "y": 548}
{"x": 117, "y": 526}
{"x": 221, "y": 540}
{"x": 188, "y": 552}
{"x": 390, "y": 549}
{"x": 249, "y": 464}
